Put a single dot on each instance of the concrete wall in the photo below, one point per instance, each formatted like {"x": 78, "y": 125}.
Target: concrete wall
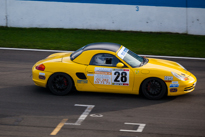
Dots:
{"x": 181, "y": 16}
{"x": 196, "y": 21}
{"x": 3, "y": 13}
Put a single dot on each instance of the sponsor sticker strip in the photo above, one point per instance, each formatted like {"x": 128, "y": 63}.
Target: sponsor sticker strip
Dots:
{"x": 168, "y": 78}
{"x": 174, "y": 84}
{"x": 82, "y": 81}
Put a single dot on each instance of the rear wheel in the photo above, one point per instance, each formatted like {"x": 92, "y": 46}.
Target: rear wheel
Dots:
{"x": 153, "y": 88}
{"x": 60, "y": 84}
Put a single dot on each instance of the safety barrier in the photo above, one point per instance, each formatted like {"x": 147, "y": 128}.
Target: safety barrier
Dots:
{"x": 181, "y": 16}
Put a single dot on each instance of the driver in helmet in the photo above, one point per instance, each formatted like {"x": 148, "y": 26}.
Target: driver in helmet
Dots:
{"x": 99, "y": 59}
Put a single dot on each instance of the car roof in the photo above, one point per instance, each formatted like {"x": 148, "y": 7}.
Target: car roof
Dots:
{"x": 96, "y": 46}
{"x": 103, "y": 46}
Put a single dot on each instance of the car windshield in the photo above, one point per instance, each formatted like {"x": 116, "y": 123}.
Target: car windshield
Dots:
{"x": 130, "y": 57}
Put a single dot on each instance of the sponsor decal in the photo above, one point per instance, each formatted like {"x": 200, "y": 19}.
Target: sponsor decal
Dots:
{"x": 168, "y": 78}
{"x": 90, "y": 75}
{"x": 174, "y": 85}
{"x": 103, "y": 76}
{"x": 103, "y": 69}
{"x": 174, "y": 82}
{"x": 137, "y": 71}
{"x": 82, "y": 81}
{"x": 108, "y": 76}
{"x": 123, "y": 51}
{"x": 42, "y": 76}
{"x": 173, "y": 90}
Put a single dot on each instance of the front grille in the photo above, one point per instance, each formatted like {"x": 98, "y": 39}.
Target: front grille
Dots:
{"x": 189, "y": 88}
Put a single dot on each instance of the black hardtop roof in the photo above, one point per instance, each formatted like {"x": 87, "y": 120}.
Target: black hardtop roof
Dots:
{"x": 96, "y": 46}
{"x": 102, "y": 46}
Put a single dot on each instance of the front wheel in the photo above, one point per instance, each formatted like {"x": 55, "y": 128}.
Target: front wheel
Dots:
{"x": 60, "y": 84}
{"x": 153, "y": 88}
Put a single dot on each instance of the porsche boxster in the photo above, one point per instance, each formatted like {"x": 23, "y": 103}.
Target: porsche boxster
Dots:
{"x": 112, "y": 68}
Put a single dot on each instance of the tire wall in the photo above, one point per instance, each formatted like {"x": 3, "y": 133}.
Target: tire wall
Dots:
{"x": 181, "y": 16}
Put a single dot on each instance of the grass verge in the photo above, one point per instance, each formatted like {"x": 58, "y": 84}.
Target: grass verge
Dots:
{"x": 72, "y": 39}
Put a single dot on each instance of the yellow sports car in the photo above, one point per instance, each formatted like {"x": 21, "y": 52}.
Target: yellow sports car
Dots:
{"x": 110, "y": 67}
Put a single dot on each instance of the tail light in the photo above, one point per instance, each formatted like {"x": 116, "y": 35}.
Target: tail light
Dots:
{"x": 40, "y": 67}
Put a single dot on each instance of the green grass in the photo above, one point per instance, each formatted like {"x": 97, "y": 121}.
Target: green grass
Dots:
{"x": 72, "y": 39}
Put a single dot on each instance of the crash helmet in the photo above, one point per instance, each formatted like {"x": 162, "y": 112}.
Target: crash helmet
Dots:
{"x": 99, "y": 59}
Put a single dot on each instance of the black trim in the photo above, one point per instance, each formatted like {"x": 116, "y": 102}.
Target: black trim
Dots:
{"x": 81, "y": 75}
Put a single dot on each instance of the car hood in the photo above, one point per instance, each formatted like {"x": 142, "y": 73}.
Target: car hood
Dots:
{"x": 166, "y": 65}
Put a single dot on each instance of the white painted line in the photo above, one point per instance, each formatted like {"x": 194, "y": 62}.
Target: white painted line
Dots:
{"x": 173, "y": 57}
{"x": 139, "y": 129}
{"x": 96, "y": 115}
{"x": 45, "y": 50}
{"x": 83, "y": 115}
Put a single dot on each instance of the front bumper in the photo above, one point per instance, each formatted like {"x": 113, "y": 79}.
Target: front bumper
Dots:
{"x": 184, "y": 87}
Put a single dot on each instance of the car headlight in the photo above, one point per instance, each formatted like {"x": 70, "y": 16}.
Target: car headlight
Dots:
{"x": 183, "y": 78}
{"x": 181, "y": 66}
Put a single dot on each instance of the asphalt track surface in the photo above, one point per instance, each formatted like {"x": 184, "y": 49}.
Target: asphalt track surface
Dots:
{"x": 30, "y": 111}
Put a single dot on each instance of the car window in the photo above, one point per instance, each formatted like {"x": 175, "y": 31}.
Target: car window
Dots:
{"x": 104, "y": 59}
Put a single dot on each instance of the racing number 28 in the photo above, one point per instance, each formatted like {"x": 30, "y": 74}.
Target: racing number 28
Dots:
{"x": 122, "y": 75}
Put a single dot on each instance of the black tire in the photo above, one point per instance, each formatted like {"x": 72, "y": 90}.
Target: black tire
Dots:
{"x": 60, "y": 84}
{"x": 153, "y": 88}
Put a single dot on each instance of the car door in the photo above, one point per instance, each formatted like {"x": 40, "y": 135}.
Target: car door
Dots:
{"x": 103, "y": 74}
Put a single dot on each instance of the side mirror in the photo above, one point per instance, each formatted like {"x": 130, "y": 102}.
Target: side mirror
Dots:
{"x": 120, "y": 65}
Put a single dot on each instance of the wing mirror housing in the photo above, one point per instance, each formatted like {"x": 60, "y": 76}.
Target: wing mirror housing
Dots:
{"x": 120, "y": 65}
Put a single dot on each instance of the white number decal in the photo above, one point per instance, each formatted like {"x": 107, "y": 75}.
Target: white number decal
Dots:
{"x": 120, "y": 77}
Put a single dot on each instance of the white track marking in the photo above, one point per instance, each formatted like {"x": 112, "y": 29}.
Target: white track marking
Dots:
{"x": 83, "y": 115}
{"x": 45, "y": 50}
{"x": 139, "y": 129}
{"x": 96, "y": 115}
{"x": 174, "y": 57}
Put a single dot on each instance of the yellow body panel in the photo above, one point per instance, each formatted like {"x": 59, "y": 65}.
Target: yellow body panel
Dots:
{"x": 61, "y": 62}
